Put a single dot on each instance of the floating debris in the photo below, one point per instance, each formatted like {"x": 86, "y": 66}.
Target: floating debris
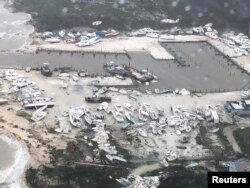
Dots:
{"x": 133, "y": 181}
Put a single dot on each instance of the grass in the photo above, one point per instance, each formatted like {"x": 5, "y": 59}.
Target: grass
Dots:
{"x": 219, "y": 153}
{"x": 242, "y": 137}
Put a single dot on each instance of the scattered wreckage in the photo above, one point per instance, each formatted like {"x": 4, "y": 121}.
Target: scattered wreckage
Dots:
{"x": 127, "y": 71}
{"x": 240, "y": 43}
{"x": 134, "y": 180}
{"x": 28, "y": 94}
{"x": 80, "y": 39}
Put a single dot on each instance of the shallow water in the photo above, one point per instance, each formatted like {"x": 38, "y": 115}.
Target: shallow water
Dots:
{"x": 7, "y": 154}
{"x": 13, "y": 29}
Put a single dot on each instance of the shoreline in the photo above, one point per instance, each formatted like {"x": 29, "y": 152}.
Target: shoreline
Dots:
{"x": 13, "y": 175}
{"x": 15, "y": 28}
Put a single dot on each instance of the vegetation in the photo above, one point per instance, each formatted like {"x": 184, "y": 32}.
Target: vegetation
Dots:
{"x": 242, "y": 137}
{"x": 190, "y": 178}
{"x": 2, "y": 120}
{"x": 65, "y": 173}
{"x": 74, "y": 176}
{"x": 220, "y": 153}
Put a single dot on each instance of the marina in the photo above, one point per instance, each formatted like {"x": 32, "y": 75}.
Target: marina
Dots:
{"x": 140, "y": 106}
{"x": 170, "y": 74}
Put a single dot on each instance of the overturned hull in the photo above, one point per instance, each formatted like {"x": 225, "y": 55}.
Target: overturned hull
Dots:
{"x": 97, "y": 99}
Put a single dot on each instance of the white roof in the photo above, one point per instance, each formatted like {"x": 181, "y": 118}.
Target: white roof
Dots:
{"x": 237, "y": 106}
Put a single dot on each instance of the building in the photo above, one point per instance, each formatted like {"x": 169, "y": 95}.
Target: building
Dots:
{"x": 242, "y": 166}
{"x": 240, "y": 108}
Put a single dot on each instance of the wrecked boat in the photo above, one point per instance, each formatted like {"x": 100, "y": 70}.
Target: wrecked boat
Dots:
{"x": 118, "y": 117}
{"x": 129, "y": 117}
{"x": 99, "y": 99}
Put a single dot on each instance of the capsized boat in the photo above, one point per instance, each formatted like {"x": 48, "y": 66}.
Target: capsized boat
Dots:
{"x": 75, "y": 120}
{"x": 142, "y": 132}
{"x": 99, "y": 99}
{"x": 129, "y": 117}
{"x": 88, "y": 118}
{"x": 118, "y": 108}
{"x": 142, "y": 117}
{"x": 153, "y": 114}
{"x": 118, "y": 117}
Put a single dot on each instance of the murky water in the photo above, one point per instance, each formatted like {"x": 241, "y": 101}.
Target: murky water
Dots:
{"x": 127, "y": 15}
{"x": 206, "y": 71}
{"x": 7, "y": 157}
{"x": 13, "y": 29}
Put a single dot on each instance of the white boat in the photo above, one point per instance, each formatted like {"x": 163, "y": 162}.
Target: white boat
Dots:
{"x": 39, "y": 114}
{"x": 214, "y": 130}
{"x": 88, "y": 119}
{"x": 129, "y": 107}
{"x": 118, "y": 117}
{"x": 172, "y": 156}
{"x": 164, "y": 163}
{"x": 142, "y": 117}
{"x": 120, "y": 77}
{"x": 153, "y": 115}
{"x": 125, "y": 126}
{"x": 83, "y": 43}
{"x": 159, "y": 131}
{"x": 143, "y": 133}
{"x": 148, "y": 92}
{"x": 75, "y": 120}
{"x": 188, "y": 129}
{"x": 53, "y": 40}
{"x": 144, "y": 110}
{"x": 211, "y": 35}
{"x": 113, "y": 89}
{"x": 170, "y": 21}
{"x": 119, "y": 159}
{"x": 118, "y": 108}
{"x": 89, "y": 42}
{"x": 96, "y": 23}
{"x": 104, "y": 106}
{"x": 178, "y": 132}
{"x": 160, "y": 110}
{"x": 129, "y": 117}
{"x": 123, "y": 91}
{"x": 245, "y": 94}
{"x": 153, "y": 35}
{"x": 61, "y": 33}
{"x": 167, "y": 37}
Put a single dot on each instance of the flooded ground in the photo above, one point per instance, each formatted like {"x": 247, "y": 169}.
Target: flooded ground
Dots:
{"x": 188, "y": 178}
{"x": 206, "y": 69}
